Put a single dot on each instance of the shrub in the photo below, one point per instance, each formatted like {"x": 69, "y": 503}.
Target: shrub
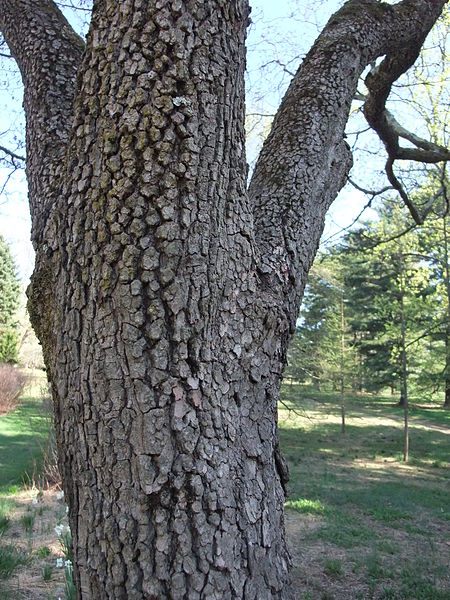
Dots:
{"x": 12, "y": 382}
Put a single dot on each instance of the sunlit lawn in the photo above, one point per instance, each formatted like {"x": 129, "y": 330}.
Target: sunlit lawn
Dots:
{"x": 22, "y": 434}
{"x": 383, "y": 525}
{"x": 361, "y": 523}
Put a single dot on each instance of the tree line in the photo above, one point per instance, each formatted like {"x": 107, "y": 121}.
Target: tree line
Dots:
{"x": 9, "y": 303}
{"x": 375, "y": 314}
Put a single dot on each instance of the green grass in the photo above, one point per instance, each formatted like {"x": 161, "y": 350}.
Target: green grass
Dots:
{"x": 27, "y": 522}
{"x": 5, "y": 523}
{"x": 10, "y": 559}
{"x": 304, "y": 505}
{"x": 333, "y": 567}
{"x": 362, "y": 497}
{"x": 43, "y": 552}
{"x": 47, "y": 572}
{"x": 313, "y": 439}
{"x": 22, "y": 433}
{"x": 345, "y": 536}
{"x": 6, "y": 507}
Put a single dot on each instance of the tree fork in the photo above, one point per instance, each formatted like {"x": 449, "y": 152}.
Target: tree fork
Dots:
{"x": 170, "y": 293}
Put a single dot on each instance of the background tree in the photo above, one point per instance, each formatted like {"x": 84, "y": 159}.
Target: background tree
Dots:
{"x": 434, "y": 252}
{"x": 321, "y": 341}
{"x": 9, "y": 303}
{"x": 165, "y": 292}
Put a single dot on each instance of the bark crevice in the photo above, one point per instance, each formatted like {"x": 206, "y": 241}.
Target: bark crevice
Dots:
{"x": 164, "y": 293}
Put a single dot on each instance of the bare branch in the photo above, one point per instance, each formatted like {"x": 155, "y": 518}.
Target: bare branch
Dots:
{"x": 379, "y": 82}
{"x": 256, "y": 114}
{"x": 11, "y": 154}
{"x": 7, "y": 180}
{"x": 372, "y": 193}
{"x": 347, "y": 227}
{"x": 425, "y": 151}
{"x": 389, "y": 239}
{"x": 404, "y": 196}
{"x": 368, "y": 204}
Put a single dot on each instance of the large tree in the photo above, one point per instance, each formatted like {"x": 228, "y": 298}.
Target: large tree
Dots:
{"x": 165, "y": 292}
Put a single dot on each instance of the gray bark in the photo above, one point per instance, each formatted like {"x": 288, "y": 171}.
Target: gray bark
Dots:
{"x": 164, "y": 293}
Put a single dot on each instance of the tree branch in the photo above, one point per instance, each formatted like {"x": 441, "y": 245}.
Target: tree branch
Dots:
{"x": 427, "y": 332}
{"x": 404, "y": 196}
{"x": 11, "y": 154}
{"x": 371, "y": 193}
{"x": 305, "y": 160}
{"x": 379, "y": 82}
{"x": 347, "y": 227}
{"x": 48, "y": 53}
{"x": 425, "y": 151}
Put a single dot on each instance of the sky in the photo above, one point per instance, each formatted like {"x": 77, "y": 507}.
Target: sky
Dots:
{"x": 280, "y": 35}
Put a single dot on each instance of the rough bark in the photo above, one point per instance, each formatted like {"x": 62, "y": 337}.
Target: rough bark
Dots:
{"x": 48, "y": 53}
{"x": 164, "y": 294}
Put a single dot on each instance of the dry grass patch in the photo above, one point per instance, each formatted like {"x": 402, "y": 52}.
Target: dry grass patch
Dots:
{"x": 32, "y": 532}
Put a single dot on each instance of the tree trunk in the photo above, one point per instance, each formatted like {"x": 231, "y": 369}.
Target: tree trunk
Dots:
{"x": 164, "y": 294}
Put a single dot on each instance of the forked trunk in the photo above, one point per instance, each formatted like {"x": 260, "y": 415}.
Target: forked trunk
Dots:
{"x": 164, "y": 294}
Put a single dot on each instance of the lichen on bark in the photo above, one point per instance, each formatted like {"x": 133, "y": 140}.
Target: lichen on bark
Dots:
{"x": 165, "y": 293}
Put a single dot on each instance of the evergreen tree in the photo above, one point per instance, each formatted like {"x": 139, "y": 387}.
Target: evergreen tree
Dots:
{"x": 366, "y": 282}
{"x": 436, "y": 233}
{"x": 9, "y": 300}
{"x": 322, "y": 347}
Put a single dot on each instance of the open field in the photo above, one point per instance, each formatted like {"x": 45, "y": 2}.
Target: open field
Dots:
{"x": 361, "y": 524}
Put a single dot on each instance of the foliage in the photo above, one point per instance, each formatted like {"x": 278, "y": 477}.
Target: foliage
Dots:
{"x": 9, "y": 303}
{"x": 376, "y": 310}
{"x": 12, "y": 383}
{"x": 321, "y": 350}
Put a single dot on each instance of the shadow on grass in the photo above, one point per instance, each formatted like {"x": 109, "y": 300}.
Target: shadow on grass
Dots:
{"x": 300, "y": 397}
{"x": 428, "y": 447}
{"x": 334, "y": 471}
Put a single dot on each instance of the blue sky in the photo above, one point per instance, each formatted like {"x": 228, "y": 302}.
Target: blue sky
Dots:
{"x": 281, "y": 32}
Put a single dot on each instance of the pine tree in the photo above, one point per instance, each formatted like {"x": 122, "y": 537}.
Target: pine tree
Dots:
{"x": 9, "y": 300}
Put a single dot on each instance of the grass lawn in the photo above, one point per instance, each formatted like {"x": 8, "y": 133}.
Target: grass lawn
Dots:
{"x": 363, "y": 524}
{"x": 29, "y": 545}
{"x": 22, "y": 434}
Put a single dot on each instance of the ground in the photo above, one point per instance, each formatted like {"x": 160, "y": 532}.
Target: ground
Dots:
{"x": 361, "y": 523}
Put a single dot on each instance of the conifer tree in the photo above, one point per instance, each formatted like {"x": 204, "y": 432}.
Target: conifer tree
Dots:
{"x": 9, "y": 300}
